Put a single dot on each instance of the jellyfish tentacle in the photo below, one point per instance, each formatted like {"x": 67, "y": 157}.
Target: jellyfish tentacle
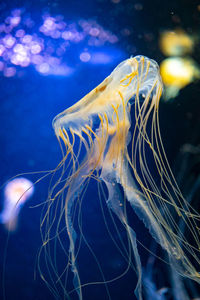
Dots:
{"x": 75, "y": 188}
{"x": 116, "y": 204}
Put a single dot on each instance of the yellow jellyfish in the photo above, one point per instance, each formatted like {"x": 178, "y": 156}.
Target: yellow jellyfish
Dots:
{"x": 176, "y": 73}
{"x": 113, "y": 135}
{"x": 16, "y": 193}
{"x": 175, "y": 43}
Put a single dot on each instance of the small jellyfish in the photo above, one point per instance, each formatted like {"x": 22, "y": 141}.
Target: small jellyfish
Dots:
{"x": 16, "y": 193}
{"x": 112, "y": 135}
{"x": 175, "y": 43}
{"x": 176, "y": 73}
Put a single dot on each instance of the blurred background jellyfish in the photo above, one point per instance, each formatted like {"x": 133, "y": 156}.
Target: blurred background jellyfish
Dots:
{"x": 176, "y": 43}
{"x": 179, "y": 69}
{"x": 176, "y": 73}
{"x": 16, "y": 193}
{"x": 113, "y": 135}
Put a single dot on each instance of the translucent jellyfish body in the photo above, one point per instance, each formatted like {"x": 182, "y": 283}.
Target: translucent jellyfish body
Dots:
{"x": 113, "y": 135}
{"x": 16, "y": 193}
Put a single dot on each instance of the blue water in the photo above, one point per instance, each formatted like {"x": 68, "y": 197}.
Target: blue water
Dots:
{"x": 30, "y": 100}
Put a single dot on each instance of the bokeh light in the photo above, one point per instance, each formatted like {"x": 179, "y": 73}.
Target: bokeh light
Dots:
{"x": 175, "y": 43}
{"x": 49, "y": 47}
{"x": 178, "y": 72}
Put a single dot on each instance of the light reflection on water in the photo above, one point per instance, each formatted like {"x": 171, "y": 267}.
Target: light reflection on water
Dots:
{"x": 48, "y": 47}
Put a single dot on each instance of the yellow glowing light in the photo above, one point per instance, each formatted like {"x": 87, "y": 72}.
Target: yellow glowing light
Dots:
{"x": 176, "y": 42}
{"x": 178, "y": 71}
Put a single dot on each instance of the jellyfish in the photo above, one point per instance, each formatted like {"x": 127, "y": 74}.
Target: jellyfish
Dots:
{"x": 175, "y": 43}
{"x": 16, "y": 193}
{"x": 176, "y": 73}
{"x": 112, "y": 135}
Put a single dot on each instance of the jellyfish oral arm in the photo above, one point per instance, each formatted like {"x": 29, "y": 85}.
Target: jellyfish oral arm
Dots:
{"x": 114, "y": 202}
{"x": 74, "y": 190}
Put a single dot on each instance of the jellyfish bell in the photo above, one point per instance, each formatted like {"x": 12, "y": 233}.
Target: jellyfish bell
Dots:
{"x": 111, "y": 134}
{"x": 16, "y": 193}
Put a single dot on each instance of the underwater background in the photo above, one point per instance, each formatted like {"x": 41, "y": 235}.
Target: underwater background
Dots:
{"x": 52, "y": 53}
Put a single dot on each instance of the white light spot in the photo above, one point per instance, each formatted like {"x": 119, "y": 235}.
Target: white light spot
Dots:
{"x": 35, "y": 48}
{"x": 43, "y": 68}
{"x": 9, "y": 72}
{"x": 15, "y": 20}
{"x": 2, "y": 49}
{"x": 9, "y": 41}
{"x": 85, "y": 56}
{"x": 94, "y": 31}
{"x": 27, "y": 39}
{"x": 20, "y": 33}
